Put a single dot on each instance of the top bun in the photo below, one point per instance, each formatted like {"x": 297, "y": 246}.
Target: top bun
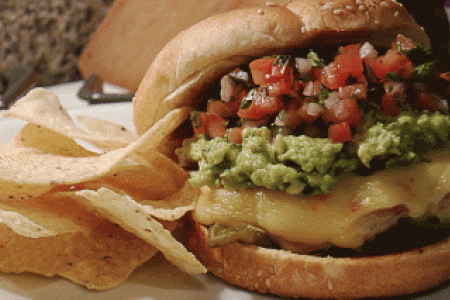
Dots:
{"x": 196, "y": 58}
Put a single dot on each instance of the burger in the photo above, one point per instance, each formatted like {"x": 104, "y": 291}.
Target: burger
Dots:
{"x": 319, "y": 141}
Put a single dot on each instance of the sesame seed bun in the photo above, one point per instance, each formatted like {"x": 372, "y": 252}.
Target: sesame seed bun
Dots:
{"x": 197, "y": 57}
{"x": 287, "y": 274}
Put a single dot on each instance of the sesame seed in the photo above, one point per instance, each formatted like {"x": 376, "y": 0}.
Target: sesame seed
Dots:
{"x": 270, "y": 4}
{"x": 349, "y": 7}
{"x": 303, "y": 29}
{"x": 383, "y": 3}
{"x": 338, "y": 11}
{"x": 328, "y": 5}
{"x": 361, "y": 7}
{"x": 260, "y": 11}
{"x": 330, "y": 284}
{"x": 358, "y": 2}
{"x": 396, "y": 14}
{"x": 376, "y": 22}
{"x": 272, "y": 269}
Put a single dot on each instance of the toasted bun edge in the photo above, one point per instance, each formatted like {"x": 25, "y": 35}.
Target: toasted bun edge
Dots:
{"x": 286, "y": 274}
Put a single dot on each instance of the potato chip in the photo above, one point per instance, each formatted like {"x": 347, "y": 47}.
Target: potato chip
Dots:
{"x": 19, "y": 167}
{"x": 157, "y": 179}
{"x": 35, "y": 139}
{"x": 47, "y": 169}
{"x": 117, "y": 135}
{"x": 133, "y": 217}
{"x": 175, "y": 206}
{"x": 24, "y": 225}
{"x": 42, "y": 107}
{"x": 128, "y": 184}
{"x": 60, "y": 237}
{"x": 152, "y": 138}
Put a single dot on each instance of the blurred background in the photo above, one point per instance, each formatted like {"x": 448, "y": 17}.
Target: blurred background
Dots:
{"x": 50, "y": 35}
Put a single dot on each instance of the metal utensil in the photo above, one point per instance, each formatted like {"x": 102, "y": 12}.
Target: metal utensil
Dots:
{"x": 20, "y": 81}
{"x": 92, "y": 91}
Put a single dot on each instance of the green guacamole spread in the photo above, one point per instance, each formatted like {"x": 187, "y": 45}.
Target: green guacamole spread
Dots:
{"x": 305, "y": 165}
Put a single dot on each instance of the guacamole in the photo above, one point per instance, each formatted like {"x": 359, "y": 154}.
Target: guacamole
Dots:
{"x": 305, "y": 165}
{"x": 290, "y": 163}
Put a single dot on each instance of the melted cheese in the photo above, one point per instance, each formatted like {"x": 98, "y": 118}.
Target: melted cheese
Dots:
{"x": 335, "y": 218}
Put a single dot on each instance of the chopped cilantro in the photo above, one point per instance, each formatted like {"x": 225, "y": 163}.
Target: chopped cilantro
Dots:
{"x": 314, "y": 59}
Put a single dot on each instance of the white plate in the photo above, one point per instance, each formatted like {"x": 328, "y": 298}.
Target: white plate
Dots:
{"x": 156, "y": 279}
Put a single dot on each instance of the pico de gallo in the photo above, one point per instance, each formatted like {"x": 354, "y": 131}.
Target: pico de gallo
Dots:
{"x": 361, "y": 110}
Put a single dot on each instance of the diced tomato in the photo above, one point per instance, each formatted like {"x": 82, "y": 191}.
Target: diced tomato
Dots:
{"x": 445, "y": 76}
{"x": 428, "y": 101}
{"x": 312, "y": 88}
{"x": 407, "y": 70}
{"x": 260, "y": 69}
{"x": 353, "y": 48}
{"x": 310, "y": 111}
{"x": 345, "y": 110}
{"x": 350, "y": 62}
{"x": 393, "y": 61}
{"x": 403, "y": 43}
{"x": 222, "y": 108}
{"x": 316, "y": 73}
{"x": 274, "y": 73}
{"x": 333, "y": 76}
{"x": 444, "y": 81}
{"x": 280, "y": 87}
{"x": 357, "y": 90}
{"x": 259, "y": 104}
{"x": 389, "y": 105}
{"x": 216, "y": 127}
{"x": 211, "y": 124}
{"x": 199, "y": 122}
{"x": 347, "y": 63}
{"x": 299, "y": 86}
{"x": 340, "y": 133}
{"x": 234, "y": 135}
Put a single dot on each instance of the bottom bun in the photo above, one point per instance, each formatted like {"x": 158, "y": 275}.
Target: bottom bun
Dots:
{"x": 287, "y": 274}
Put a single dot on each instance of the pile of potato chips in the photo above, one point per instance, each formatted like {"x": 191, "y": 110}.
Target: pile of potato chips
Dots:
{"x": 90, "y": 204}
